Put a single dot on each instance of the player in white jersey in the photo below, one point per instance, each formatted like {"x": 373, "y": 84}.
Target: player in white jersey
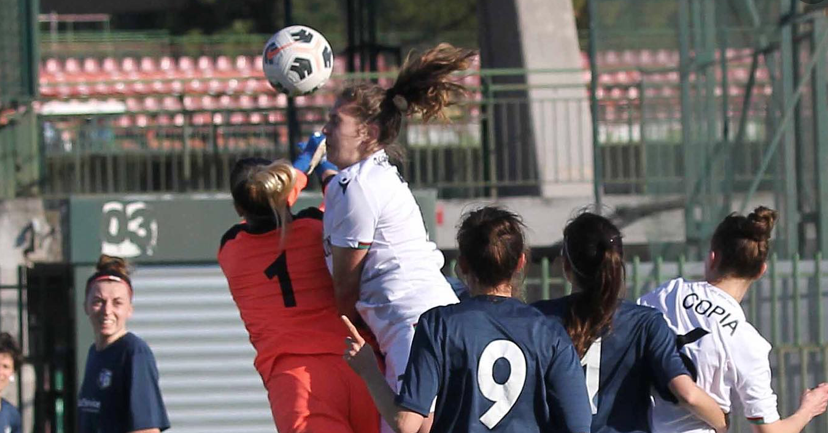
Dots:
{"x": 729, "y": 356}
{"x": 385, "y": 270}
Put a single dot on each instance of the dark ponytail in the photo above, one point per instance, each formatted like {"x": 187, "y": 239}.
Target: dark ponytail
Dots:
{"x": 595, "y": 254}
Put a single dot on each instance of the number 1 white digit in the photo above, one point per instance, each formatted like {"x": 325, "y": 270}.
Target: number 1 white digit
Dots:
{"x": 506, "y": 394}
{"x": 592, "y": 361}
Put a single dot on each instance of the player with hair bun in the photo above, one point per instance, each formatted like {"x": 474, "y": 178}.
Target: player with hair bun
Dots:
{"x": 728, "y": 355}
{"x": 275, "y": 266}
{"x": 493, "y": 363}
{"x": 120, "y": 391}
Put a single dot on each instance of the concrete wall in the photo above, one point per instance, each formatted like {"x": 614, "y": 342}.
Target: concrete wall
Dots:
{"x": 553, "y": 130}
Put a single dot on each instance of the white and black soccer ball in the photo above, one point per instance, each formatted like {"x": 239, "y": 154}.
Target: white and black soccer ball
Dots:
{"x": 297, "y": 60}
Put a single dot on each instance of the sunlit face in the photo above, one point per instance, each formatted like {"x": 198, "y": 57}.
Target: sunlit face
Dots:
{"x": 108, "y": 306}
{"x": 6, "y": 370}
{"x": 346, "y": 136}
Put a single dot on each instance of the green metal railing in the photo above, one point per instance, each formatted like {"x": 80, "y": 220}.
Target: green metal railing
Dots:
{"x": 488, "y": 148}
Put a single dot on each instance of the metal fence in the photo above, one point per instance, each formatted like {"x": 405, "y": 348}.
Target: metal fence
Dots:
{"x": 482, "y": 147}
{"x": 487, "y": 148}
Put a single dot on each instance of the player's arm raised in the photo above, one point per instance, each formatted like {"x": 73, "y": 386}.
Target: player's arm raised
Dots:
{"x": 363, "y": 361}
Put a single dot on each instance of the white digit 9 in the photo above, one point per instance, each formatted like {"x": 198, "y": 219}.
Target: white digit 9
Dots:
{"x": 506, "y": 394}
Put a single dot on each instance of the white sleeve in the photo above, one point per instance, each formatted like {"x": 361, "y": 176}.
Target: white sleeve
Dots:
{"x": 753, "y": 377}
{"x": 352, "y": 213}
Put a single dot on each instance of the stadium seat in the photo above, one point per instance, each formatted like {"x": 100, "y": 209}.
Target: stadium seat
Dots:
{"x": 53, "y": 67}
{"x": 177, "y": 87}
{"x": 171, "y": 103}
{"x": 109, "y": 66}
{"x": 186, "y": 66}
{"x": 128, "y": 65}
{"x": 151, "y": 104}
{"x": 205, "y": 65}
{"x": 167, "y": 66}
{"x": 223, "y": 65}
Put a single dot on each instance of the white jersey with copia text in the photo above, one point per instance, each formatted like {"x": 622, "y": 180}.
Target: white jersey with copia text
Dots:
{"x": 368, "y": 205}
{"x": 728, "y": 354}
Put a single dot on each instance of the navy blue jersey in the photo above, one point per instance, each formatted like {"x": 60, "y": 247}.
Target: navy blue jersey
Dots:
{"x": 494, "y": 364}
{"x": 9, "y": 418}
{"x": 120, "y": 390}
{"x": 637, "y": 355}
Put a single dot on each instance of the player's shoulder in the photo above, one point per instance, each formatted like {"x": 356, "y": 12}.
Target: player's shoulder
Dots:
{"x": 135, "y": 344}
{"x": 555, "y": 309}
{"x": 231, "y": 234}
{"x": 628, "y": 310}
{"x": 309, "y": 214}
{"x": 10, "y": 410}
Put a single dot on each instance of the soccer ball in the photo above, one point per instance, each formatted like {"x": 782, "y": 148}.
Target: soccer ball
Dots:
{"x": 297, "y": 60}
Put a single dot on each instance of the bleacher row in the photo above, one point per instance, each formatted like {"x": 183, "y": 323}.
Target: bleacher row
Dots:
{"x": 205, "y": 83}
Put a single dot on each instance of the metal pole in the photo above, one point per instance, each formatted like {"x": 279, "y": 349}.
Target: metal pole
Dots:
{"x": 820, "y": 107}
{"x": 294, "y": 133}
{"x": 691, "y": 231}
{"x": 791, "y": 219}
{"x": 597, "y": 160}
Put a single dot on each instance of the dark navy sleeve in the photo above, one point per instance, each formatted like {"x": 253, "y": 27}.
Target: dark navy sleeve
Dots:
{"x": 16, "y": 425}
{"x": 662, "y": 356}
{"x": 146, "y": 407}
{"x": 566, "y": 387}
{"x": 422, "y": 374}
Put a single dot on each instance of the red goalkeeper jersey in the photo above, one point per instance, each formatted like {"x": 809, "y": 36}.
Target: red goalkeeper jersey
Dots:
{"x": 284, "y": 294}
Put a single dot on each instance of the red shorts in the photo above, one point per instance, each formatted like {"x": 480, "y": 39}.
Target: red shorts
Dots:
{"x": 320, "y": 394}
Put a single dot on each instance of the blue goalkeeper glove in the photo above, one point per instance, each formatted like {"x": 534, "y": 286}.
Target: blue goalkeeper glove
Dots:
{"x": 307, "y": 151}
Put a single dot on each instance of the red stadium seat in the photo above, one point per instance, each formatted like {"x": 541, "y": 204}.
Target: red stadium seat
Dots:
{"x": 128, "y": 65}
{"x": 167, "y": 66}
{"x": 191, "y": 103}
{"x": 205, "y": 65}
{"x": 216, "y": 86}
{"x": 171, "y": 103}
{"x": 151, "y": 104}
{"x": 223, "y": 65}
{"x": 177, "y": 87}
{"x": 53, "y": 67}
{"x": 91, "y": 66}
{"x": 186, "y": 65}
{"x": 72, "y": 67}
{"x": 148, "y": 65}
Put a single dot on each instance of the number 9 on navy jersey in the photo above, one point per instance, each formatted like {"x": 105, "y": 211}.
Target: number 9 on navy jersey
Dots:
{"x": 495, "y": 365}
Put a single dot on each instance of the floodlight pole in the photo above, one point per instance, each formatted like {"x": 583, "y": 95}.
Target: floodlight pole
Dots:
{"x": 292, "y": 119}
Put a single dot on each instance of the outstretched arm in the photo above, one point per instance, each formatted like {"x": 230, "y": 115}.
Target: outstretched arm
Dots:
{"x": 812, "y": 404}
{"x": 364, "y": 363}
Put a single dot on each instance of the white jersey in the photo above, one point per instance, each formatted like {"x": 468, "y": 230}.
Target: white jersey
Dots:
{"x": 368, "y": 205}
{"x": 732, "y": 357}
